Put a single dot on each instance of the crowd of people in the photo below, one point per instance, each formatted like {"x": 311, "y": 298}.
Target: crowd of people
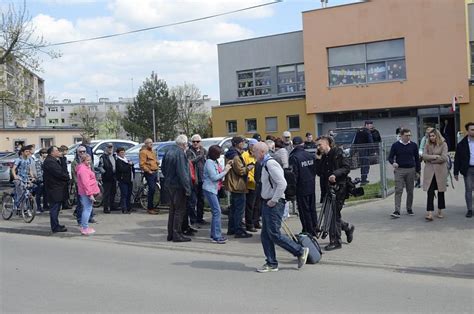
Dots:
{"x": 256, "y": 179}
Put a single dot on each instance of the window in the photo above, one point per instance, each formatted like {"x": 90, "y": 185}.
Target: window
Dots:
{"x": 251, "y": 125}
{"x": 291, "y": 79}
{"x": 231, "y": 126}
{"x": 367, "y": 63}
{"x": 254, "y": 82}
{"x": 53, "y": 109}
{"x": 47, "y": 141}
{"x": 293, "y": 122}
{"x": 271, "y": 124}
{"x": 77, "y": 140}
{"x": 62, "y": 108}
{"x": 53, "y": 121}
{"x": 62, "y": 120}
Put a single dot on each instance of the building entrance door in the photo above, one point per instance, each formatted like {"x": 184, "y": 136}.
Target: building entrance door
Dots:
{"x": 448, "y": 131}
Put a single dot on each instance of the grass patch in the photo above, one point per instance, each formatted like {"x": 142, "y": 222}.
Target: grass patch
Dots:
{"x": 371, "y": 191}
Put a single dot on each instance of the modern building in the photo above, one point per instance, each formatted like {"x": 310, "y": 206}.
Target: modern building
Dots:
{"x": 22, "y": 96}
{"x": 398, "y": 63}
{"x": 262, "y": 87}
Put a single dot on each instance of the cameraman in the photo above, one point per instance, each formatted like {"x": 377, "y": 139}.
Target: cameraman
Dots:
{"x": 333, "y": 168}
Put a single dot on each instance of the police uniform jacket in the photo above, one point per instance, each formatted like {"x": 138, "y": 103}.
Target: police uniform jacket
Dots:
{"x": 302, "y": 164}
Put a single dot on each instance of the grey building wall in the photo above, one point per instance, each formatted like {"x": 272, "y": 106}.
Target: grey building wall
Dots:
{"x": 270, "y": 51}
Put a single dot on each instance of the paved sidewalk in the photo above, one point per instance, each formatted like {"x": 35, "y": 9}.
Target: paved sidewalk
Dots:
{"x": 410, "y": 244}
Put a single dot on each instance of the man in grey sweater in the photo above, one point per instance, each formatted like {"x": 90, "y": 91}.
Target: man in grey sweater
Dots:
{"x": 273, "y": 205}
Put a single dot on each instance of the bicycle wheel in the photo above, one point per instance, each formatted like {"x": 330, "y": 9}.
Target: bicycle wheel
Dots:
{"x": 8, "y": 206}
{"x": 72, "y": 195}
{"x": 28, "y": 209}
{"x": 99, "y": 199}
{"x": 143, "y": 197}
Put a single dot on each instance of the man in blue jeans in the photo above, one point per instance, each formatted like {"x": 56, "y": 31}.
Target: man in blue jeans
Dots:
{"x": 273, "y": 205}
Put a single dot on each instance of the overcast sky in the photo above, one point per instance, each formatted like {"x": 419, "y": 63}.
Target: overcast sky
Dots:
{"x": 116, "y": 67}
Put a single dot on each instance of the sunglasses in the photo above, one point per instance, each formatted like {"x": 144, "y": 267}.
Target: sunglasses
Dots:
{"x": 196, "y": 141}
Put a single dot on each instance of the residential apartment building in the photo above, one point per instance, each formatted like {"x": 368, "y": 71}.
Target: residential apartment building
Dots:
{"x": 397, "y": 63}
{"x": 23, "y": 96}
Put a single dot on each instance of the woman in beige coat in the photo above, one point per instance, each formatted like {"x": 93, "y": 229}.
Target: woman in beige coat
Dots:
{"x": 435, "y": 156}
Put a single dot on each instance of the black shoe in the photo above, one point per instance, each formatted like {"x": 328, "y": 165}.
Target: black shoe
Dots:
{"x": 60, "y": 229}
{"x": 364, "y": 182}
{"x": 92, "y": 221}
{"x": 251, "y": 229}
{"x": 181, "y": 239}
{"x": 333, "y": 246}
{"x": 410, "y": 213}
{"x": 350, "y": 234}
{"x": 243, "y": 235}
{"x": 192, "y": 229}
{"x": 106, "y": 211}
{"x": 189, "y": 232}
{"x": 469, "y": 214}
{"x": 395, "y": 214}
{"x": 202, "y": 222}
{"x": 229, "y": 233}
{"x": 258, "y": 225}
{"x": 169, "y": 238}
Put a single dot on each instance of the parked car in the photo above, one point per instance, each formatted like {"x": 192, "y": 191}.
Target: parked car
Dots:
{"x": 159, "y": 147}
{"x": 345, "y": 138}
{"x": 6, "y": 163}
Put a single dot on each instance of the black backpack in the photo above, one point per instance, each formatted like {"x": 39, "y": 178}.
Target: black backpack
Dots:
{"x": 290, "y": 178}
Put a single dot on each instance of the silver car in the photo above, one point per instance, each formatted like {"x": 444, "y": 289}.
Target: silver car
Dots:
{"x": 6, "y": 163}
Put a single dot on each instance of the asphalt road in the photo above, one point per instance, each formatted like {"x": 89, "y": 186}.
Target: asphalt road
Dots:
{"x": 40, "y": 274}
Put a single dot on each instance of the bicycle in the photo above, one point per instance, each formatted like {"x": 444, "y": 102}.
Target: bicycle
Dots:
{"x": 25, "y": 205}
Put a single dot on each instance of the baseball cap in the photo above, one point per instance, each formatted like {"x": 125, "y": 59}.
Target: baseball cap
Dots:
{"x": 252, "y": 141}
{"x": 237, "y": 140}
{"x": 257, "y": 136}
{"x": 286, "y": 134}
{"x": 297, "y": 140}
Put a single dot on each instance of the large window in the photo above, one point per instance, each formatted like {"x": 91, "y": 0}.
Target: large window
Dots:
{"x": 231, "y": 126}
{"x": 254, "y": 82}
{"x": 251, "y": 125}
{"x": 293, "y": 122}
{"x": 367, "y": 63}
{"x": 291, "y": 78}
{"x": 47, "y": 141}
{"x": 271, "y": 124}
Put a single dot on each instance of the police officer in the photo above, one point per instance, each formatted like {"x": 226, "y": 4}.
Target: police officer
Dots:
{"x": 364, "y": 143}
{"x": 302, "y": 164}
{"x": 333, "y": 169}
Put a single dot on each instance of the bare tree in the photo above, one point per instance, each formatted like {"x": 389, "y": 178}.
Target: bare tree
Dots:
{"x": 113, "y": 122}
{"x": 87, "y": 120}
{"x": 188, "y": 97}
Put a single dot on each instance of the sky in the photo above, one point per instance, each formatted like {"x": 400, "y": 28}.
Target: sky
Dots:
{"x": 117, "y": 67}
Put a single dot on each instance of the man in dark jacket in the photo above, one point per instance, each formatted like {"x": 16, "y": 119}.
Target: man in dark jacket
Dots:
{"x": 175, "y": 168}
{"x": 333, "y": 169}
{"x": 197, "y": 155}
{"x": 309, "y": 143}
{"x": 56, "y": 182}
{"x": 303, "y": 166}
{"x": 464, "y": 163}
{"x": 63, "y": 149}
{"x": 106, "y": 167}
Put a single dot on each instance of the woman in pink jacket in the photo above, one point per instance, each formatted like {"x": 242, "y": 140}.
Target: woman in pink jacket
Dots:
{"x": 87, "y": 187}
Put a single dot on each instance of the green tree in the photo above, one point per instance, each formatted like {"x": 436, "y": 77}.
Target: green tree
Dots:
{"x": 153, "y": 94}
{"x": 113, "y": 122}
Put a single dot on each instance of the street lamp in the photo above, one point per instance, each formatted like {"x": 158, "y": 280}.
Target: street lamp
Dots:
{"x": 150, "y": 99}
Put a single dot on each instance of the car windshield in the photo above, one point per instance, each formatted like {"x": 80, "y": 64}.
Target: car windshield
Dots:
{"x": 344, "y": 137}
{"x": 208, "y": 142}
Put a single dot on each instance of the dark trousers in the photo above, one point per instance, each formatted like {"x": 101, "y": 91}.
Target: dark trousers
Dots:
{"x": 195, "y": 204}
{"x": 125, "y": 195}
{"x": 54, "y": 215}
{"x": 176, "y": 212}
{"x": 307, "y": 213}
{"x": 236, "y": 213}
{"x": 364, "y": 163}
{"x": 257, "y": 209}
{"x": 151, "y": 179}
{"x": 110, "y": 189}
{"x": 337, "y": 224}
{"x": 250, "y": 199}
{"x": 431, "y": 195}
{"x": 40, "y": 193}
